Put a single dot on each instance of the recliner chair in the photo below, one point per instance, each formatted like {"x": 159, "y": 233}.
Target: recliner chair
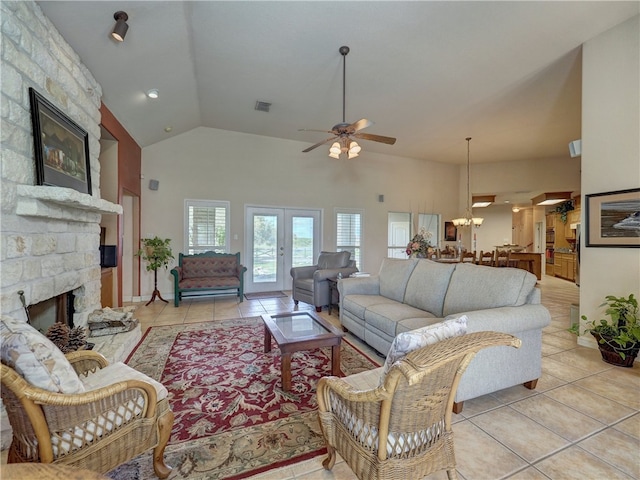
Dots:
{"x": 310, "y": 282}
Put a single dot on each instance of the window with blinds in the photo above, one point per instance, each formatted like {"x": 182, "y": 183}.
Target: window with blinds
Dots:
{"x": 206, "y": 226}
{"x": 349, "y": 234}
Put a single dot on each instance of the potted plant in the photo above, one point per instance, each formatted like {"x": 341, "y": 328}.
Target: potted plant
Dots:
{"x": 619, "y": 336}
{"x": 563, "y": 209}
{"x": 157, "y": 253}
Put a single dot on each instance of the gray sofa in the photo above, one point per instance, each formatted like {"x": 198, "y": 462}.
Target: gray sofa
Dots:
{"x": 413, "y": 293}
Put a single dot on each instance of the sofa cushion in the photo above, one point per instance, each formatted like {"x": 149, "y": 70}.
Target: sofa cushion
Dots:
{"x": 118, "y": 372}
{"x": 328, "y": 260}
{"x": 409, "y": 341}
{"x": 394, "y": 274}
{"x": 34, "y": 357}
{"x": 358, "y": 304}
{"x": 385, "y": 316}
{"x": 478, "y": 287}
{"x": 428, "y": 285}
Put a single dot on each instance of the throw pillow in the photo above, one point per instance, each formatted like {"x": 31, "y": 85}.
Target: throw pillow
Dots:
{"x": 34, "y": 357}
{"x": 328, "y": 260}
{"x": 408, "y": 341}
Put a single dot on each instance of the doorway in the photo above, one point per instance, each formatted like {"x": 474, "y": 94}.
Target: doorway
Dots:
{"x": 276, "y": 240}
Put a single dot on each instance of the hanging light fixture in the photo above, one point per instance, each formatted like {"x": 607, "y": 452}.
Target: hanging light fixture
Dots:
{"x": 120, "y": 30}
{"x": 468, "y": 218}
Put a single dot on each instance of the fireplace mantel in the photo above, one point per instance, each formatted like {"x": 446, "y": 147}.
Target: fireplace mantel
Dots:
{"x": 62, "y": 204}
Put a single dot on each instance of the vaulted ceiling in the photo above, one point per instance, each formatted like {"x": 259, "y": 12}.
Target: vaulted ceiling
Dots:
{"x": 428, "y": 73}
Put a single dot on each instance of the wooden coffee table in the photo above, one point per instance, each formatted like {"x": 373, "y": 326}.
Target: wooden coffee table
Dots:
{"x": 301, "y": 331}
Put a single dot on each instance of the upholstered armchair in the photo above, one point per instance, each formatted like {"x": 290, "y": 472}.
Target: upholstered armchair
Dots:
{"x": 76, "y": 409}
{"x": 310, "y": 282}
{"x": 398, "y": 424}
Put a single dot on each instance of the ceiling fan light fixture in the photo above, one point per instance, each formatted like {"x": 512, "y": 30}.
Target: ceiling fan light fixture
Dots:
{"x": 121, "y": 27}
{"x": 335, "y": 150}
{"x": 354, "y": 148}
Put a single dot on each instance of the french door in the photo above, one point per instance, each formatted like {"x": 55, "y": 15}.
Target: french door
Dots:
{"x": 276, "y": 240}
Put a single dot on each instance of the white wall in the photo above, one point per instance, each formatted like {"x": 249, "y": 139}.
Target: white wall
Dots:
{"x": 213, "y": 164}
{"x": 610, "y": 154}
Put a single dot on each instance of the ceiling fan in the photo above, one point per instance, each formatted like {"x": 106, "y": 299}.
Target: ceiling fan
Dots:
{"x": 343, "y": 133}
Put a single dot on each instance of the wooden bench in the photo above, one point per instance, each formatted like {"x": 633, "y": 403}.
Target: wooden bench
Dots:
{"x": 208, "y": 273}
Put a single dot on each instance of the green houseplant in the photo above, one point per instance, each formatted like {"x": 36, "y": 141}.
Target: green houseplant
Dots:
{"x": 157, "y": 253}
{"x": 619, "y": 336}
{"x": 563, "y": 209}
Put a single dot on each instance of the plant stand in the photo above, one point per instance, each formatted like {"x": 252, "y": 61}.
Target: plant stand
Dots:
{"x": 156, "y": 292}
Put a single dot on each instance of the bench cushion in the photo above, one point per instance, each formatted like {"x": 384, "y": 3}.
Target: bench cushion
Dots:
{"x": 209, "y": 267}
{"x": 209, "y": 282}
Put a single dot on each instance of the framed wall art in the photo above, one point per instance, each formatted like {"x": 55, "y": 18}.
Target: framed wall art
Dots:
{"x": 450, "y": 232}
{"x": 61, "y": 147}
{"x": 613, "y": 219}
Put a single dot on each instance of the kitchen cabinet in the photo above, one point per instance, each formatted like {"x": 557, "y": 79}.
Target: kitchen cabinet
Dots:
{"x": 565, "y": 266}
{"x": 106, "y": 287}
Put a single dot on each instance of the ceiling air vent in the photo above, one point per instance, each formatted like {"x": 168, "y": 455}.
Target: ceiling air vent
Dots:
{"x": 262, "y": 106}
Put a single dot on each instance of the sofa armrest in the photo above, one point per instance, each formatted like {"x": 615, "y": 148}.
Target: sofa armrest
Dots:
{"x": 177, "y": 273}
{"x": 299, "y": 273}
{"x": 321, "y": 275}
{"x": 359, "y": 286}
{"x": 506, "y": 319}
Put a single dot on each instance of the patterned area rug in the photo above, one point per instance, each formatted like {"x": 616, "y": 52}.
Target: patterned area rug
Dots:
{"x": 232, "y": 418}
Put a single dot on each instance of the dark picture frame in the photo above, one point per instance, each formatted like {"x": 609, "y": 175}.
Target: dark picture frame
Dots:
{"x": 61, "y": 147}
{"x": 613, "y": 219}
{"x": 450, "y": 232}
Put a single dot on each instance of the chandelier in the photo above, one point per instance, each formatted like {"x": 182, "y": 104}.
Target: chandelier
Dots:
{"x": 468, "y": 218}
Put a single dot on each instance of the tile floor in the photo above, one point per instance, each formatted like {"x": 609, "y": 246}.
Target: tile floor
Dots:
{"x": 581, "y": 422}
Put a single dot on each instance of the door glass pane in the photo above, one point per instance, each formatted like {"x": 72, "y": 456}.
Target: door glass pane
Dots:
{"x": 302, "y": 241}
{"x": 265, "y": 242}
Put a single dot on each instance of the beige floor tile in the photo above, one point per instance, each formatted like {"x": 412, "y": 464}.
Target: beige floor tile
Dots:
{"x": 577, "y": 464}
{"x": 515, "y": 393}
{"x": 548, "y": 349}
{"x": 519, "y": 433}
{"x": 169, "y": 320}
{"x": 284, "y": 473}
{"x": 561, "y": 370}
{"x": 530, "y": 473}
{"x": 548, "y": 382}
{"x": 623, "y": 376}
{"x": 617, "y": 448}
{"x": 630, "y": 426}
{"x": 582, "y": 358}
{"x": 478, "y": 405}
{"x": 480, "y": 456}
{"x": 558, "y": 418}
{"x": 625, "y": 394}
{"x": 585, "y": 401}
{"x": 559, "y": 341}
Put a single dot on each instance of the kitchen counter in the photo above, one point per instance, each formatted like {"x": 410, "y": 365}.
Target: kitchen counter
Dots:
{"x": 531, "y": 262}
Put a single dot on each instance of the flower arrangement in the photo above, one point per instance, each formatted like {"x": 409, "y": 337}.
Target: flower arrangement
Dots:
{"x": 419, "y": 246}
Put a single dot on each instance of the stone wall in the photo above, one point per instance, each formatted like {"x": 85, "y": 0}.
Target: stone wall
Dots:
{"x": 49, "y": 235}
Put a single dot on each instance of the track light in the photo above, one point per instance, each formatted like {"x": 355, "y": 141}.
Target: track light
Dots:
{"x": 120, "y": 30}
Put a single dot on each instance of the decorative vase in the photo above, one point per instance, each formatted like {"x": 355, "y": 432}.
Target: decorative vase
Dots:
{"x": 611, "y": 354}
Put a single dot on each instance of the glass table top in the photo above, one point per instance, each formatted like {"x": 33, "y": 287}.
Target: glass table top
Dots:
{"x": 299, "y": 326}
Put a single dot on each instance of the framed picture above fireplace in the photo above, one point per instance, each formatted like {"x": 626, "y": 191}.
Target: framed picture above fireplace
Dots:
{"x": 61, "y": 147}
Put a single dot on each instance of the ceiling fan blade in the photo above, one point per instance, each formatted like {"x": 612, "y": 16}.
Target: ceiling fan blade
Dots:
{"x": 318, "y": 144}
{"x": 375, "y": 138}
{"x": 313, "y": 130}
{"x": 359, "y": 125}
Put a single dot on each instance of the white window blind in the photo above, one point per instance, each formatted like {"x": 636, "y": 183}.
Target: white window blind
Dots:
{"x": 206, "y": 226}
{"x": 349, "y": 234}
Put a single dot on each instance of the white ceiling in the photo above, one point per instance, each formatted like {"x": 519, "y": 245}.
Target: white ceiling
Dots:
{"x": 430, "y": 73}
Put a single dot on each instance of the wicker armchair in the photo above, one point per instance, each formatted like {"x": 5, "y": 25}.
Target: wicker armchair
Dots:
{"x": 96, "y": 430}
{"x": 399, "y": 426}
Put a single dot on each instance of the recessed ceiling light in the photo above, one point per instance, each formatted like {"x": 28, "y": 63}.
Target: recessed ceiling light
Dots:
{"x": 168, "y": 129}
{"x": 153, "y": 93}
